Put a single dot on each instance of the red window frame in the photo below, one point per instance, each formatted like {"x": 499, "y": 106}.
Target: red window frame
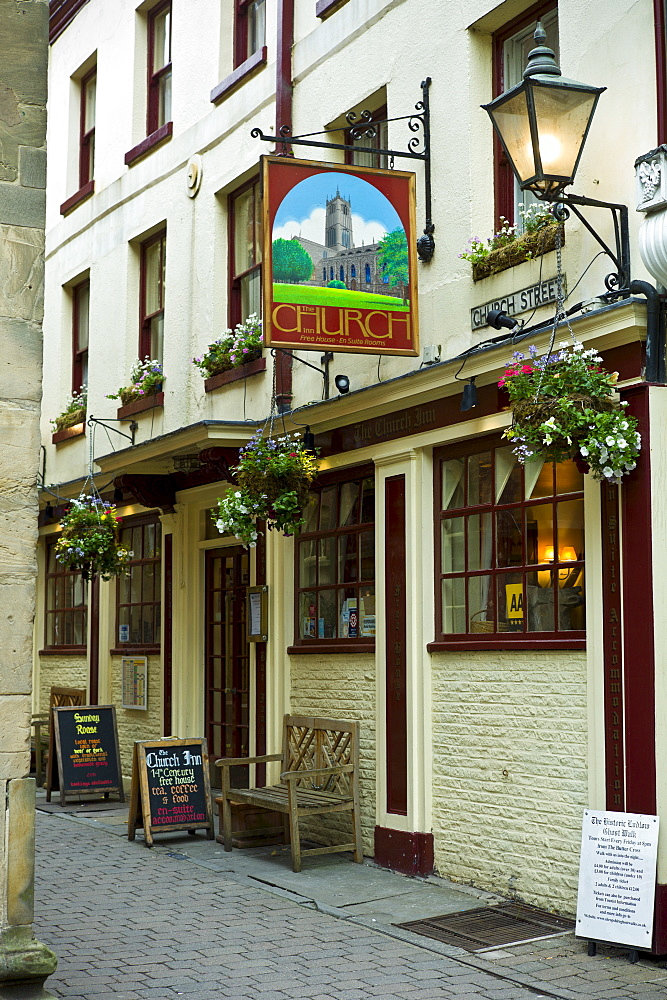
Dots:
{"x": 237, "y": 278}
{"x": 143, "y": 580}
{"x": 146, "y": 346}
{"x": 334, "y": 483}
{"x": 241, "y": 39}
{"x": 379, "y": 160}
{"x": 87, "y": 136}
{"x": 503, "y": 175}
{"x": 158, "y": 78}
{"x": 60, "y": 611}
{"x": 497, "y": 568}
{"x": 79, "y": 353}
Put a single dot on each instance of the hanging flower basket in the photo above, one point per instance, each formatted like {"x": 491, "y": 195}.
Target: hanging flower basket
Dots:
{"x": 564, "y": 406}
{"x": 274, "y": 477}
{"x": 89, "y": 541}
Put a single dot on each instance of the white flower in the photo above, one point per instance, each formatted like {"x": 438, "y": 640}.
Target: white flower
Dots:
{"x": 608, "y": 471}
{"x": 609, "y": 440}
{"x": 578, "y": 347}
{"x": 624, "y": 425}
{"x": 551, "y": 422}
{"x": 622, "y": 443}
{"x": 583, "y": 450}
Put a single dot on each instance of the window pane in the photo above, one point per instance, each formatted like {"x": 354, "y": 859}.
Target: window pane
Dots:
{"x": 539, "y": 479}
{"x": 154, "y": 277}
{"x": 368, "y": 501}
{"x": 310, "y": 513}
{"x": 148, "y": 583}
{"x": 452, "y": 483}
{"x": 480, "y": 604}
{"x": 367, "y": 545}
{"x": 348, "y": 614}
{"x": 308, "y": 615}
{"x": 164, "y": 100}
{"x": 510, "y": 602}
{"x": 570, "y": 515}
{"x": 479, "y": 478}
{"x": 82, "y": 297}
{"x": 326, "y": 619}
{"x": 509, "y": 536}
{"x": 256, "y": 26}
{"x": 251, "y": 295}
{"x": 347, "y": 559}
{"x": 328, "y": 508}
{"x": 453, "y": 605}
{"x": 568, "y": 478}
{"x": 508, "y": 476}
{"x": 539, "y": 534}
{"x": 540, "y": 601}
{"x": 571, "y": 601}
{"x": 480, "y": 541}
{"x": 307, "y": 561}
{"x": 453, "y": 545}
{"x": 367, "y": 612}
{"x": 89, "y": 94}
{"x": 349, "y": 504}
{"x": 161, "y": 40}
{"x": 326, "y": 563}
{"x": 244, "y": 231}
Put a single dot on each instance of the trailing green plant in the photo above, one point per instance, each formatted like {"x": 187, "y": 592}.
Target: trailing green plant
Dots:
{"x": 74, "y": 412}
{"x": 233, "y": 349}
{"x": 564, "y": 405}
{"x": 274, "y": 476}
{"x": 89, "y": 541}
{"x": 146, "y": 378}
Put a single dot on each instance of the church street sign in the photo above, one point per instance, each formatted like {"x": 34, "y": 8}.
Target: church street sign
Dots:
{"x": 515, "y": 303}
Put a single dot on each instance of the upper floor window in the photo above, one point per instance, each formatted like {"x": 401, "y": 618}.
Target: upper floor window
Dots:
{"x": 66, "y": 608}
{"x": 153, "y": 266}
{"x": 364, "y": 154}
{"x": 138, "y": 594}
{"x": 245, "y": 214}
{"x": 335, "y": 562}
{"x": 510, "y": 54}
{"x": 80, "y": 325}
{"x": 87, "y": 128}
{"x": 509, "y": 546}
{"x": 159, "y": 67}
{"x": 249, "y": 29}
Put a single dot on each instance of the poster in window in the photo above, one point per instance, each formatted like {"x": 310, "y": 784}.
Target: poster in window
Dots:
{"x": 340, "y": 258}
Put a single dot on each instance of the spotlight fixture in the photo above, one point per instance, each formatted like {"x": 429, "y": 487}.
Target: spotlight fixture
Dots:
{"x": 469, "y": 397}
{"x": 118, "y": 495}
{"x": 309, "y": 439}
{"x": 342, "y": 383}
{"x": 499, "y": 319}
{"x": 48, "y": 511}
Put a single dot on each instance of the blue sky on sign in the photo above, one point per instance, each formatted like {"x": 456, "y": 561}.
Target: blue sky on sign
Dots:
{"x": 302, "y": 210}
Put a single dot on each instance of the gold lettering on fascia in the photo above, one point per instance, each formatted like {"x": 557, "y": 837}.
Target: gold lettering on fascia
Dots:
{"x": 408, "y": 422}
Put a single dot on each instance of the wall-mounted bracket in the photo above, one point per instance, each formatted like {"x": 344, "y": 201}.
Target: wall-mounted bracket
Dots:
{"x": 363, "y": 124}
{"x": 134, "y": 426}
{"x": 618, "y": 281}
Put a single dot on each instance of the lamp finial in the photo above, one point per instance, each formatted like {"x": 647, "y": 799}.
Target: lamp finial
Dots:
{"x": 541, "y": 59}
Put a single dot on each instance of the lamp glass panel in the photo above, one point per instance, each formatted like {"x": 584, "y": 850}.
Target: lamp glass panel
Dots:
{"x": 562, "y": 117}
{"x": 512, "y": 122}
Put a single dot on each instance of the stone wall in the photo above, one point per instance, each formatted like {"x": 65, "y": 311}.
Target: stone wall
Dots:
{"x": 510, "y": 772}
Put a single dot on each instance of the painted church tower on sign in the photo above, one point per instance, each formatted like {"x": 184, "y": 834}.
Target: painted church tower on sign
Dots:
{"x": 339, "y": 224}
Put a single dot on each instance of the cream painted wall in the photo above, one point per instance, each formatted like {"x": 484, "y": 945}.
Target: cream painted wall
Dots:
{"x": 510, "y": 772}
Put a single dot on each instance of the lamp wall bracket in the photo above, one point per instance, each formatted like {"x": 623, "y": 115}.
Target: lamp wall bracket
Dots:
{"x": 106, "y": 423}
{"x": 618, "y": 281}
{"x": 362, "y": 124}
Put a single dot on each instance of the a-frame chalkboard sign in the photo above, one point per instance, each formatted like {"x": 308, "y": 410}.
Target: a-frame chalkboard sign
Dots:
{"x": 85, "y": 745}
{"x": 171, "y": 788}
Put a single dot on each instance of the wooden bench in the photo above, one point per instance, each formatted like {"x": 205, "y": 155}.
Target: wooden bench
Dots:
{"x": 320, "y": 775}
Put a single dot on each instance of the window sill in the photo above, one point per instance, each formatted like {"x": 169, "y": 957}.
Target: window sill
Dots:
{"x": 324, "y": 8}
{"x": 67, "y": 433}
{"x": 234, "y": 374}
{"x": 81, "y": 195}
{"x": 130, "y": 650}
{"x": 500, "y": 641}
{"x": 239, "y": 75}
{"x": 537, "y": 244}
{"x": 327, "y": 649}
{"x": 139, "y": 405}
{"x": 63, "y": 651}
{"x": 148, "y": 144}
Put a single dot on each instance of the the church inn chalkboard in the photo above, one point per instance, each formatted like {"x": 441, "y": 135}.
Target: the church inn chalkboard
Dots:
{"x": 170, "y": 788}
{"x": 86, "y": 749}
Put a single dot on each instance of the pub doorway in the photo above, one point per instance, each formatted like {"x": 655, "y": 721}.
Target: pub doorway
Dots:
{"x": 227, "y": 674}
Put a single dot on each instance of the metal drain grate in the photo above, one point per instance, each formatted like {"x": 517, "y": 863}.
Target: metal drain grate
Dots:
{"x": 490, "y": 926}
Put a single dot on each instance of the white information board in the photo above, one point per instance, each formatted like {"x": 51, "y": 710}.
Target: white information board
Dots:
{"x": 617, "y": 878}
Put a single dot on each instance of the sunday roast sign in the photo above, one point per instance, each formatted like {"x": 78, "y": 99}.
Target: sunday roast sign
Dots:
{"x": 340, "y": 258}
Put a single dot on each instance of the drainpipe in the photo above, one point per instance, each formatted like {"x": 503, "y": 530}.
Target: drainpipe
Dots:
{"x": 655, "y": 339}
{"x": 660, "y": 67}
{"x": 284, "y": 89}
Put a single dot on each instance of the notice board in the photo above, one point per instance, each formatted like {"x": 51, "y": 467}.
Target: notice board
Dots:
{"x": 86, "y": 750}
{"x": 617, "y": 878}
{"x": 171, "y": 788}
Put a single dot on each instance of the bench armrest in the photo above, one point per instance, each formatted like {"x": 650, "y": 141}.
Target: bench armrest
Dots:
{"x": 238, "y": 761}
{"x": 317, "y": 772}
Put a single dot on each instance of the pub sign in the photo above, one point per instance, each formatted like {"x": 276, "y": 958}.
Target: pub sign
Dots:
{"x": 339, "y": 258}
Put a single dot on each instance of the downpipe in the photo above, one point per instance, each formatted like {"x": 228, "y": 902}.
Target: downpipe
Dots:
{"x": 655, "y": 332}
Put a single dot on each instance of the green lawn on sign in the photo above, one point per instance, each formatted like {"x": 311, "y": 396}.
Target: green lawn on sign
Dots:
{"x": 342, "y": 298}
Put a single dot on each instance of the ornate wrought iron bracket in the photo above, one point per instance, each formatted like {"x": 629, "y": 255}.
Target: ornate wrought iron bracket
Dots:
{"x": 326, "y": 358}
{"x": 364, "y": 125}
{"x": 618, "y": 282}
{"x": 134, "y": 426}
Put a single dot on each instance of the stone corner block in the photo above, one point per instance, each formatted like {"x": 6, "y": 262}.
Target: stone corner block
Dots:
{"x": 23, "y": 958}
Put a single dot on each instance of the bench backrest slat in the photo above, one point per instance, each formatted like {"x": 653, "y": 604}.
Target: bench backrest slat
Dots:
{"x": 312, "y": 742}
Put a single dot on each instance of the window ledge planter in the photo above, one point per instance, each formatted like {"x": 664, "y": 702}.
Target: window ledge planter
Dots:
{"x": 234, "y": 374}
{"x": 69, "y": 425}
{"x": 139, "y": 405}
{"x": 523, "y": 248}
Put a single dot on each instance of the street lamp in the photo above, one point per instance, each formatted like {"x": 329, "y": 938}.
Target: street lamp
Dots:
{"x": 543, "y": 122}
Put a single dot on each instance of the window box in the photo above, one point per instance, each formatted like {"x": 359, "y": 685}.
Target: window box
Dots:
{"x": 67, "y": 433}
{"x": 238, "y": 76}
{"x": 139, "y": 405}
{"x": 523, "y": 248}
{"x": 234, "y": 374}
{"x": 148, "y": 144}
{"x": 84, "y": 192}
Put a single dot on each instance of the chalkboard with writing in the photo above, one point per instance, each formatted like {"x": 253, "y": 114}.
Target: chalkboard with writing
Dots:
{"x": 170, "y": 788}
{"x": 86, "y": 749}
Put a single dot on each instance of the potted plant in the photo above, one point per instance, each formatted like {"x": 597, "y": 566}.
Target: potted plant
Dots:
{"x": 146, "y": 379}
{"x": 89, "y": 542}
{"x": 508, "y": 247}
{"x": 74, "y": 412}
{"x": 234, "y": 348}
{"x": 274, "y": 476}
{"x": 564, "y": 405}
